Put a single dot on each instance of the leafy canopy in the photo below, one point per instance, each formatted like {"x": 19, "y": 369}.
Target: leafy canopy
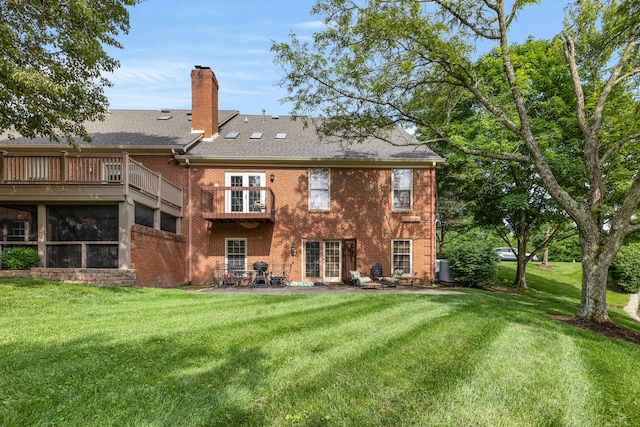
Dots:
{"x": 53, "y": 61}
{"x": 380, "y": 63}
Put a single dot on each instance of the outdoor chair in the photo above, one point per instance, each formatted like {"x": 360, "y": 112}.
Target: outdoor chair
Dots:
{"x": 393, "y": 280}
{"x": 357, "y": 279}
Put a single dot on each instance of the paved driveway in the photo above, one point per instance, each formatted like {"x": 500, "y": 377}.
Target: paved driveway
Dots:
{"x": 291, "y": 290}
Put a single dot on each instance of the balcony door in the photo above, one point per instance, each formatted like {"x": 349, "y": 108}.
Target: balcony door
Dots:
{"x": 243, "y": 200}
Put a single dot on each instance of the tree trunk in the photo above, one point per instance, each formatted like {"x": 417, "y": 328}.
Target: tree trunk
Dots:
{"x": 521, "y": 258}
{"x": 545, "y": 251}
{"x": 521, "y": 272}
{"x": 593, "y": 304}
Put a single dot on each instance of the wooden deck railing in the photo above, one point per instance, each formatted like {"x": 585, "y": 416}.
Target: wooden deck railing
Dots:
{"x": 86, "y": 169}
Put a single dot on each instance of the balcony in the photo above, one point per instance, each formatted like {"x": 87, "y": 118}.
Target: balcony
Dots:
{"x": 82, "y": 177}
{"x": 238, "y": 204}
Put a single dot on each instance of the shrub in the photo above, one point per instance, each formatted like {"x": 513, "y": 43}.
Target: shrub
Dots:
{"x": 625, "y": 269}
{"x": 474, "y": 262}
{"x": 19, "y": 258}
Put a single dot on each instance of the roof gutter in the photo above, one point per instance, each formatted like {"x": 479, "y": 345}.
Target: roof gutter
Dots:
{"x": 307, "y": 162}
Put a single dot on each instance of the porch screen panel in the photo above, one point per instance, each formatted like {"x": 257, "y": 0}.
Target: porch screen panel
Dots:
{"x": 64, "y": 256}
{"x": 77, "y": 225}
{"x": 82, "y": 223}
{"x": 168, "y": 222}
{"x": 18, "y": 223}
{"x": 144, "y": 215}
{"x": 102, "y": 256}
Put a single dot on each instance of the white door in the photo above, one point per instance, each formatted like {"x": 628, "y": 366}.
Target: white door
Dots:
{"x": 332, "y": 261}
{"x": 243, "y": 200}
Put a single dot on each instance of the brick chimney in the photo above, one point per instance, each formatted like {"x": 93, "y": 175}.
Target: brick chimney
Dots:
{"x": 204, "y": 101}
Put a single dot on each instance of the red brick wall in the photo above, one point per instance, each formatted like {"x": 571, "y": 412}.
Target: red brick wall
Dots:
{"x": 158, "y": 257}
{"x": 360, "y": 208}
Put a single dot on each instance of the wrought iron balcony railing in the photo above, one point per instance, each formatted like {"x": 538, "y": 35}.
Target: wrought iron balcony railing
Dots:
{"x": 238, "y": 204}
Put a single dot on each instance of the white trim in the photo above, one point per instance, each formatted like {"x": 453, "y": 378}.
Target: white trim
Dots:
{"x": 325, "y": 244}
{"x": 393, "y": 268}
{"x": 226, "y": 250}
{"x": 324, "y": 209}
{"x": 246, "y": 208}
{"x": 393, "y": 189}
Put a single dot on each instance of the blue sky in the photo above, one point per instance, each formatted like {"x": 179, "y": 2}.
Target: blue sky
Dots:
{"x": 168, "y": 37}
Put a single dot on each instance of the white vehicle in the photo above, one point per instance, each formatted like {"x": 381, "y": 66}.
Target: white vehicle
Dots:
{"x": 508, "y": 254}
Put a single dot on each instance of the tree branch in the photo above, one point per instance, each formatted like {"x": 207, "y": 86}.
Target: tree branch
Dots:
{"x": 605, "y": 157}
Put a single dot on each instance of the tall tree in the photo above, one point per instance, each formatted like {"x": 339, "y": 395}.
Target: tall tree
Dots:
{"x": 380, "y": 63}
{"x": 53, "y": 61}
{"x": 456, "y": 182}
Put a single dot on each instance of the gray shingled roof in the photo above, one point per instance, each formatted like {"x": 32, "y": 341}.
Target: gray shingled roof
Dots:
{"x": 303, "y": 144}
{"x": 131, "y": 128}
{"x": 142, "y": 129}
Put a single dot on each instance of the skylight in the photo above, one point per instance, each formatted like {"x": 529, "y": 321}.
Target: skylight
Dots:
{"x": 165, "y": 117}
{"x": 256, "y": 135}
{"x": 232, "y": 135}
{"x": 281, "y": 135}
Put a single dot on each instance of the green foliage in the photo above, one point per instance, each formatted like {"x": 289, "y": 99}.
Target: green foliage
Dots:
{"x": 19, "y": 258}
{"x": 473, "y": 261}
{"x": 625, "y": 269}
{"x": 53, "y": 59}
{"x": 567, "y": 108}
{"x": 566, "y": 250}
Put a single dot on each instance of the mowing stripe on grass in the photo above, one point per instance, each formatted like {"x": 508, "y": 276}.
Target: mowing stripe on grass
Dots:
{"x": 510, "y": 384}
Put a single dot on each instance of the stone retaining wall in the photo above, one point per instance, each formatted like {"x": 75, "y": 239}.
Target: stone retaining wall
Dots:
{"x": 92, "y": 276}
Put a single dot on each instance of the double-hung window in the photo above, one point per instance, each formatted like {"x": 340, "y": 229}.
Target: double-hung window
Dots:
{"x": 402, "y": 190}
{"x": 236, "y": 254}
{"x": 319, "y": 199}
{"x": 401, "y": 255}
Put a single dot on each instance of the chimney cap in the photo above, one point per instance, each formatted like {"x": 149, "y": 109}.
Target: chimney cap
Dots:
{"x": 200, "y": 67}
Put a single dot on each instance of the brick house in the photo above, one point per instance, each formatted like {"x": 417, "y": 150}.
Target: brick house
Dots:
{"x": 174, "y": 196}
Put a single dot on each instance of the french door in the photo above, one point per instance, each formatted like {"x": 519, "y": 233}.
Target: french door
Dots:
{"x": 323, "y": 259}
{"x": 242, "y": 199}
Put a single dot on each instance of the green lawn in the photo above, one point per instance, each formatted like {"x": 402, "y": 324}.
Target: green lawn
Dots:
{"x": 80, "y": 355}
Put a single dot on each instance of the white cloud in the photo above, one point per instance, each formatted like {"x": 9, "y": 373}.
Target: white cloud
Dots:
{"x": 310, "y": 25}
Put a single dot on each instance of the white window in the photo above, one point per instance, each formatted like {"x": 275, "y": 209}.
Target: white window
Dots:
{"x": 319, "y": 189}
{"x": 245, "y": 200}
{"x": 236, "y": 254}
{"x": 402, "y": 189}
{"x": 18, "y": 231}
{"x": 401, "y": 255}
